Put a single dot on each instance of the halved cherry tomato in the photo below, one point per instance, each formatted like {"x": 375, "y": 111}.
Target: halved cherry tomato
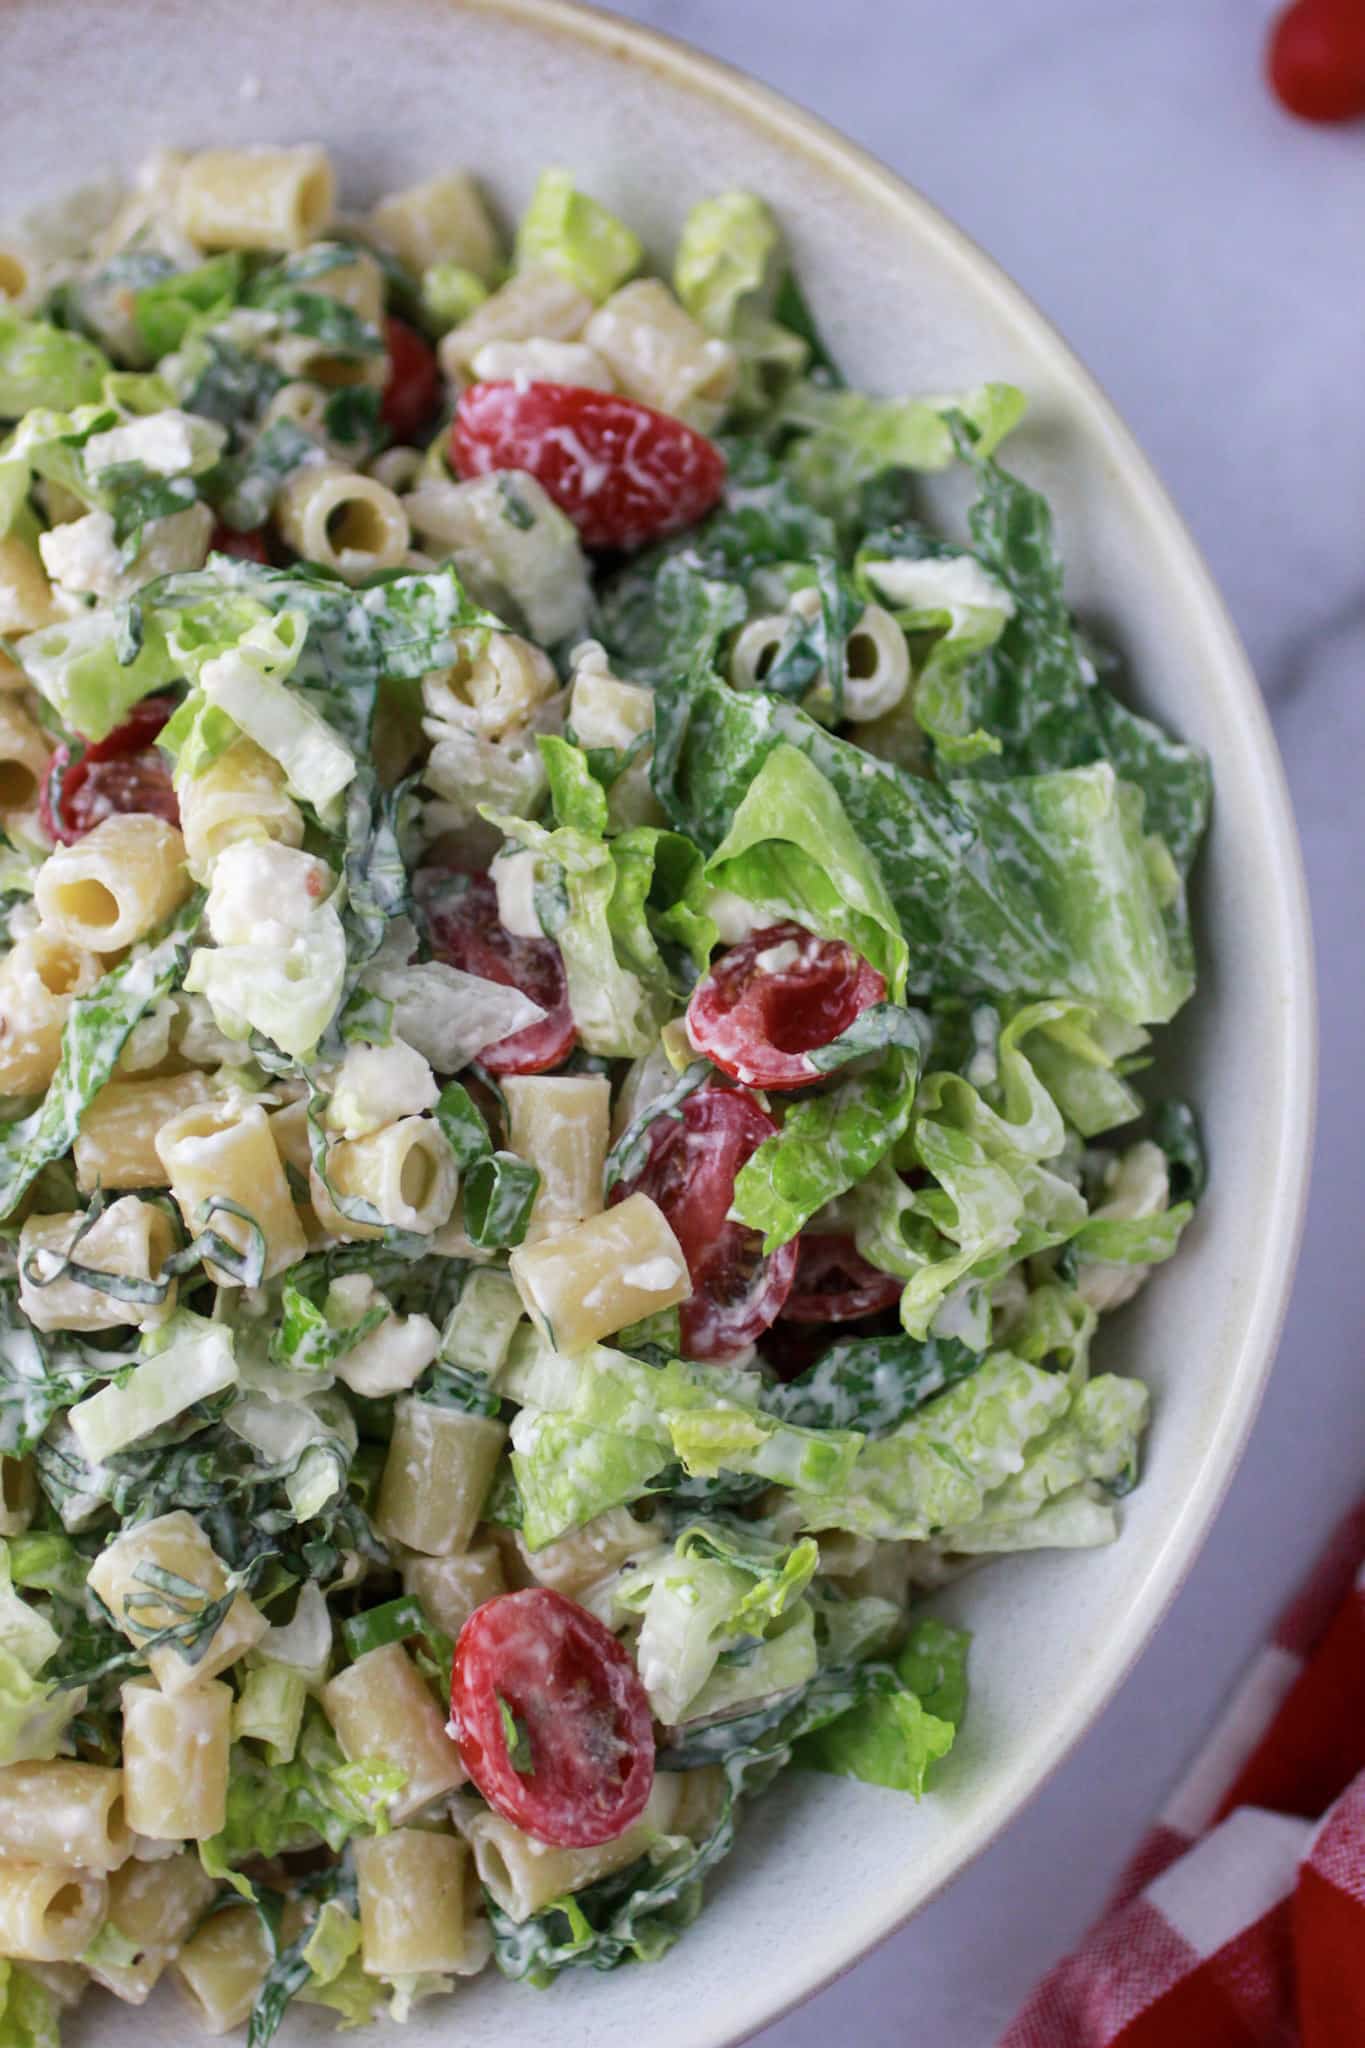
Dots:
{"x": 834, "y": 1283}
{"x": 624, "y": 473}
{"x": 462, "y": 917}
{"x": 247, "y": 547}
{"x": 412, "y": 389}
{"x": 690, "y": 1172}
{"x": 777, "y": 997}
{"x": 121, "y": 773}
{"x": 1316, "y": 59}
{"x": 551, "y": 1718}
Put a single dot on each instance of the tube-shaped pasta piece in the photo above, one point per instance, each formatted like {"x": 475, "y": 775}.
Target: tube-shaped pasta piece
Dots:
{"x": 344, "y": 522}
{"x": 211, "y": 1149}
{"x": 116, "y": 1144}
{"x": 542, "y": 362}
{"x": 536, "y": 304}
{"x": 153, "y": 1906}
{"x": 18, "y": 1495}
{"x": 255, "y": 198}
{"x": 131, "y": 1239}
{"x": 397, "y": 469}
{"x": 223, "y": 1967}
{"x": 659, "y": 355}
{"x": 561, "y": 1124}
{"x": 412, "y": 1897}
{"x": 755, "y": 650}
{"x": 436, "y": 1476}
{"x": 25, "y": 755}
{"x": 25, "y": 593}
{"x": 604, "y": 711}
{"x": 358, "y": 284}
{"x": 63, "y": 1815}
{"x": 583, "y": 1557}
{"x": 304, "y": 405}
{"x": 876, "y": 666}
{"x": 289, "y": 1129}
{"x": 175, "y": 1760}
{"x": 19, "y": 274}
{"x": 114, "y": 885}
{"x": 443, "y": 220}
{"x": 39, "y": 978}
{"x": 523, "y": 1875}
{"x": 47, "y": 1914}
{"x": 499, "y": 680}
{"x": 380, "y": 1707}
{"x": 241, "y": 795}
{"x": 613, "y": 1270}
{"x": 176, "y": 1546}
{"x": 450, "y": 1588}
{"x": 406, "y": 1171}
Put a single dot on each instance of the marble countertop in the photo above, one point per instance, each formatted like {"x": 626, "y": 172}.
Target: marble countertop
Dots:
{"x": 1202, "y": 253}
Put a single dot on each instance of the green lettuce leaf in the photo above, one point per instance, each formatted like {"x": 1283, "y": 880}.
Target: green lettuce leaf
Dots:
{"x": 47, "y": 366}
{"x": 1040, "y": 886}
{"x": 934, "y": 1472}
{"x": 277, "y": 1809}
{"x": 828, "y": 1143}
{"x": 1095, "y": 1440}
{"x": 28, "y": 2011}
{"x": 847, "y": 437}
{"x": 1038, "y": 692}
{"x": 871, "y": 1383}
{"x": 571, "y": 233}
{"x": 895, "y": 1738}
{"x": 723, "y": 257}
{"x": 719, "y": 1585}
{"x": 792, "y": 846}
{"x": 165, "y": 310}
{"x": 596, "y": 1428}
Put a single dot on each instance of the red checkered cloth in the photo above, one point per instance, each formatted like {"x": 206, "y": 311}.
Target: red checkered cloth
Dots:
{"x": 1240, "y": 1921}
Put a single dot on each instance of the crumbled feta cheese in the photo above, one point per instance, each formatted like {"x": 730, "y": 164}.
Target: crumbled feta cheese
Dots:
{"x": 262, "y": 893}
{"x": 376, "y": 1085}
{"x": 169, "y": 443}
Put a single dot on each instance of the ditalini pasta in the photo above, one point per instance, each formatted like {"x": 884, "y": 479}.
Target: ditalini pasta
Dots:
{"x": 115, "y": 885}
{"x": 380, "y": 1707}
{"x": 572, "y": 992}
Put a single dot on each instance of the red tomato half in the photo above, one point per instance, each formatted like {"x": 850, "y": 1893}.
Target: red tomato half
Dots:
{"x": 583, "y": 1762}
{"x": 1316, "y": 59}
{"x": 834, "y": 1283}
{"x": 624, "y": 473}
{"x": 412, "y": 389}
{"x": 465, "y": 933}
{"x": 768, "y": 1003}
{"x": 690, "y": 1173}
{"x": 246, "y": 547}
{"x": 124, "y": 772}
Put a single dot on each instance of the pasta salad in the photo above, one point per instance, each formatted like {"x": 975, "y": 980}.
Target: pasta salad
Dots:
{"x": 573, "y": 975}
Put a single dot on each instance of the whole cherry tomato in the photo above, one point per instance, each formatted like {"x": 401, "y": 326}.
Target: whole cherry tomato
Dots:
{"x": 1316, "y": 59}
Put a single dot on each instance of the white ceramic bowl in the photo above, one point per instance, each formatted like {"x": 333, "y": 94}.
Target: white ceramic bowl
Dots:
{"x": 398, "y": 88}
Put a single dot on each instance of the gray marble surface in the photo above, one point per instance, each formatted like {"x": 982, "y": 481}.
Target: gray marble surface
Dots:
{"x": 1203, "y": 254}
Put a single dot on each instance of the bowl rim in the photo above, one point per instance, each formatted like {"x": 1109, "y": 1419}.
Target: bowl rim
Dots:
{"x": 1172, "y": 1558}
